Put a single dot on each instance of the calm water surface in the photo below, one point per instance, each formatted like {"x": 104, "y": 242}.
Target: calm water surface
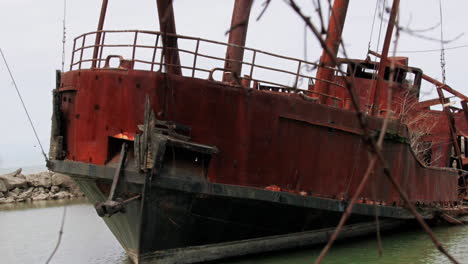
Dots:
{"x": 29, "y": 233}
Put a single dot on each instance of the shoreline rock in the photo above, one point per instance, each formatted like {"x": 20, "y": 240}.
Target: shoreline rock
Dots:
{"x": 16, "y": 187}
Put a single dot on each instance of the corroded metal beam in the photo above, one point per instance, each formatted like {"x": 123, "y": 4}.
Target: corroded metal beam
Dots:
{"x": 237, "y": 36}
{"x": 188, "y": 185}
{"x": 335, "y": 29}
{"x": 379, "y": 90}
{"x": 167, "y": 25}
{"x": 102, "y": 18}
{"x": 453, "y": 129}
{"x": 429, "y": 79}
{"x": 429, "y": 103}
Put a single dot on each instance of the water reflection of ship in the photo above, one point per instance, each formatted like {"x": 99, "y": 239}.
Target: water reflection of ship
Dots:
{"x": 407, "y": 246}
{"x": 186, "y": 168}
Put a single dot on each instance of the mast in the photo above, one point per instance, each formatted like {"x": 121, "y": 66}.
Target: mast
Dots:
{"x": 379, "y": 90}
{"x": 167, "y": 26}
{"x": 237, "y": 36}
{"x": 102, "y": 17}
{"x": 335, "y": 29}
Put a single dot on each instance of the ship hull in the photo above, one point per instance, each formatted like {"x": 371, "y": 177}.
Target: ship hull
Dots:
{"x": 210, "y": 164}
{"x": 184, "y": 221}
{"x": 187, "y": 169}
{"x": 264, "y": 138}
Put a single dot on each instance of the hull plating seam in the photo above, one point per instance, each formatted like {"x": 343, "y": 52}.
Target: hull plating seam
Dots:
{"x": 78, "y": 169}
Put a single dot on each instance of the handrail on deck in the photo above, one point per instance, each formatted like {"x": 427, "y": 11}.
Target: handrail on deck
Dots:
{"x": 155, "y": 60}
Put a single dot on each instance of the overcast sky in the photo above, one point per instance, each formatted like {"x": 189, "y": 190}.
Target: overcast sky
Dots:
{"x": 31, "y": 34}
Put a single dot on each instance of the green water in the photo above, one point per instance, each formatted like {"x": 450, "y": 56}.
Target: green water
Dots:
{"x": 28, "y": 233}
{"x": 411, "y": 247}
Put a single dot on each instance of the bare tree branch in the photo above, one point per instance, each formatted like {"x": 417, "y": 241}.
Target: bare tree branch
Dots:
{"x": 374, "y": 147}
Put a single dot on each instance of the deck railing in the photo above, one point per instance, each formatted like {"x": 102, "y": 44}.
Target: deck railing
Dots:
{"x": 144, "y": 50}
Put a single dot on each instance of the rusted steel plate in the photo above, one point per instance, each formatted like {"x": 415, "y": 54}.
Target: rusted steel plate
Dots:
{"x": 264, "y": 138}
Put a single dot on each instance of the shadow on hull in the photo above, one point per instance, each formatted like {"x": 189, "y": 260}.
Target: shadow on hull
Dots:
{"x": 174, "y": 226}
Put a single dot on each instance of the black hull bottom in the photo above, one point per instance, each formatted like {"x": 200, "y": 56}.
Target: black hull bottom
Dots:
{"x": 173, "y": 226}
{"x": 183, "y": 220}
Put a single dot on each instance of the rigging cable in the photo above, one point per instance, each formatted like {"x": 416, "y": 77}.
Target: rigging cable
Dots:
{"x": 64, "y": 38}
{"x": 373, "y": 22}
{"x": 434, "y": 50}
{"x": 59, "y": 240}
{"x": 60, "y": 235}
{"x": 374, "y": 76}
{"x": 442, "y": 51}
{"x": 381, "y": 25}
{"x": 24, "y": 105}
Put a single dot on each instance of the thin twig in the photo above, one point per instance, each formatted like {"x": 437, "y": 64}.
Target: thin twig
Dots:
{"x": 266, "y": 4}
{"x": 238, "y": 25}
{"x": 371, "y": 142}
{"x": 416, "y": 33}
{"x": 318, "y": 9}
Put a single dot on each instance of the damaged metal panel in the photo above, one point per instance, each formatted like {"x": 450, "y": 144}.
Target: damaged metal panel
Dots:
{"x": 255, "y": 149}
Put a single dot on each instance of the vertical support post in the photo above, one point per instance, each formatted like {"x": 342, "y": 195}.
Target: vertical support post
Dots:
{"x": 134, "y": 45}
{"x": 237, "y": 36}
{"x": 73, "y": 55}
{"x": 168, "y": 28}
{"x": 102, "y": 18}
{"x": 465, "y": 109}
{"x": 297, "y": 74}
{"x": 195, "y": 58}
{"x": 101, "y": 50}
{"x": 82, "y": 49}
{"x": 335, "y": 29}
{"x": 253, "y": 64}
{"x": 154, "y": 52}
{"x": 452, "y": 127}
{"x": 379, "y": 91}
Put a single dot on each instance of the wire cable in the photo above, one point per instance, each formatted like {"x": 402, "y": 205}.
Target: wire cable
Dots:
{"x": 24, "y": 105}
{"x": 377, "y": 46}
{"x": 442, "y": 51}
{"x": 60, "y": 235}
{"x": 373, "y": 23}
{"x": 64, "y": 38}
{"x": 434, "y": 50}
{"x": 59, "y": 240}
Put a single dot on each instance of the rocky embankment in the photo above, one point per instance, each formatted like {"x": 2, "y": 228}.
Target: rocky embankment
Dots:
{"x": 16, "y": 187}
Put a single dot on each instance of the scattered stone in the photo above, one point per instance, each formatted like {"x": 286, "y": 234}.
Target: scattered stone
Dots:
{"x": 12, "y": 195}
{"x": 61, "y": 180}
{"x": 26, "y": 194}
{"x": 38, "y": 190}
{"x": 16, "y": 190}
{"x": 16, "y": 187}
{"x": 3, "y": 186}
{"x": 42, "y": 179}
{"x": 9, "y": 200}
{"x": 65, "y": 182}
{"x": 61, "y": 195}
{"x": 40, "y": 196}
{"x": 54, "y": 189}
{"x": 12, "y": 181}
